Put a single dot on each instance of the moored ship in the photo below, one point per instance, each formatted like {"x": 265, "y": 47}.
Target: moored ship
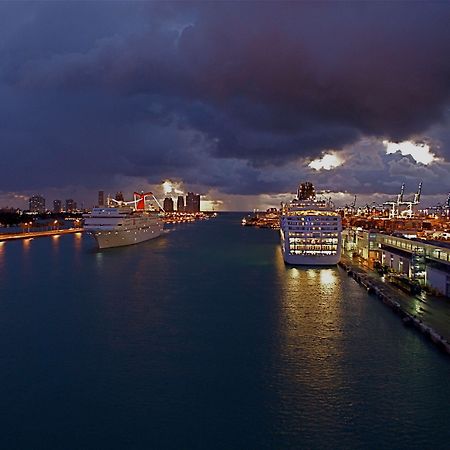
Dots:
{"x": 124, "y": 223}
{"x": 310, "y": 230}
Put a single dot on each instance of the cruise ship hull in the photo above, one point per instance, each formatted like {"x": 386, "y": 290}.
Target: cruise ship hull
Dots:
{"x": 310, "y": 260}
{"x": 108, "y": 239}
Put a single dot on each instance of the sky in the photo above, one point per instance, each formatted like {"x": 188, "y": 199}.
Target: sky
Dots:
{"x": 239, "y": 101}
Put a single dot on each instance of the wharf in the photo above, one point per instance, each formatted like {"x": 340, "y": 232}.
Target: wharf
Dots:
{"x": 261, "y": 222}
{"x": 36, "y": 234}
{"x": 429, "y": 315}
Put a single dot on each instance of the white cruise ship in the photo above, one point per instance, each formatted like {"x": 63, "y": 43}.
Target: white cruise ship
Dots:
{"x": 124, "y": 223}
{"x": 310, "y": 230}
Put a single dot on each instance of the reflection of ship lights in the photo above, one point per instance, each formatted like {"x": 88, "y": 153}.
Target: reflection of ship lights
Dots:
{"x": 327, "y": 277}
{"x": 99, "y": 258}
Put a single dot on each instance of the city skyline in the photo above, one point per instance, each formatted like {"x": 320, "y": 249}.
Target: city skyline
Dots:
{"x": 353, "y": 97}
{"x": 39, "y": 204}
{"x": 264, "y": 202}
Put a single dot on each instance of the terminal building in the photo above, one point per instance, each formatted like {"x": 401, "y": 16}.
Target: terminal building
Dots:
{"x": 427, "y": 262}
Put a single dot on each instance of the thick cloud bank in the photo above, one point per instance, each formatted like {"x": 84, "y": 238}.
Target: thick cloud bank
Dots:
{"x": 224, "y": 96}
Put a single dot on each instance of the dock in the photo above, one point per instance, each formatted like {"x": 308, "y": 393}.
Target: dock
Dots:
{"x": 37, "y": 234}
{"x": 433, "y": 324}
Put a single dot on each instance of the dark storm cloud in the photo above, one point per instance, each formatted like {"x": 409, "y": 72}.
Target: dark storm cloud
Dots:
{"x": 369, "y": 170}
{"x": 93, "y": 90}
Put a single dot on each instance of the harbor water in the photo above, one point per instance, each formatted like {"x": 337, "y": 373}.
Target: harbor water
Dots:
{"x": 204, "y": 339}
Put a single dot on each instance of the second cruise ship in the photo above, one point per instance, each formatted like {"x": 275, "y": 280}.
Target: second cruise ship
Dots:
{"x": 310, "y": 230}
{"x": 124, "y": 223}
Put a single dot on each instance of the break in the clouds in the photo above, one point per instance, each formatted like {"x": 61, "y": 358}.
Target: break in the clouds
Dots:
{"x": 227, "y": 98}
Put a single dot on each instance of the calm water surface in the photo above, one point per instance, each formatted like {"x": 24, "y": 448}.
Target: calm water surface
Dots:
{"x": 203, "y": 339}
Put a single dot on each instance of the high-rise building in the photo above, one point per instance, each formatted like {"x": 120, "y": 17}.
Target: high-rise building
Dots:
{"x": 192, "y": 202}
{"x": 197, "y": 203}
{"x": 70, "y": 205}
{"x": 119, "y": 196}
{"x": 37, "y": 203}
{"x": 180, "y": 203}
{"x": 57, "y": 206}
{"x": 101, "y": 198}
{"x": 168, "y": 204}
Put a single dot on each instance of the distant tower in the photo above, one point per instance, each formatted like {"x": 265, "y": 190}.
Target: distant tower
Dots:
{"x": 168, "y": 204}
{"x": 101, "y": 198}
{"x": 70, "y": 205}
{"x": 197, "y": 203}
{"x": 192, "y": 202}
{"x": 37, "y": 203}
{"x": 57, "y": 206}
{"x": 119, "y": 196}
{"x": 180, "y": 203}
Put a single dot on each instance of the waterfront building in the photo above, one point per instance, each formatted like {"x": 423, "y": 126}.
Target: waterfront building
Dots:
{"x": 57, "y": 206}
{"x": 424, "y": 261}
{"x": 180, "y": 203}
{"x": 168, "y": 204}
{"x": 101, "y": 198}
{"x": 363, "y": 243}
{"x": 37, "y": 204}
{"x": 70, "y": 205}
{"x": 192, "y": 202}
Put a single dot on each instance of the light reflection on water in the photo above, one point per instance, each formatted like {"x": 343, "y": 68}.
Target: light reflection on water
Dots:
{"x": 2, "y": 254}
{"x": 26, "y": 244}
{"x": 310, "y": 328}
{"x": 77, "y": 241}
{"x": 99, "y": 259}
{"x": 55, "y": 240}
{"x": 328, "y": 368}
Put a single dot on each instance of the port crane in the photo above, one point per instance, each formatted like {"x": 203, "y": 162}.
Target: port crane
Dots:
{"x": 447, "y": 205}
{"x": 395, "y": 209}
{"x": 394, "y": 206}
{"x": 409, "y": 212}
{"x": 349, "y": 210}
